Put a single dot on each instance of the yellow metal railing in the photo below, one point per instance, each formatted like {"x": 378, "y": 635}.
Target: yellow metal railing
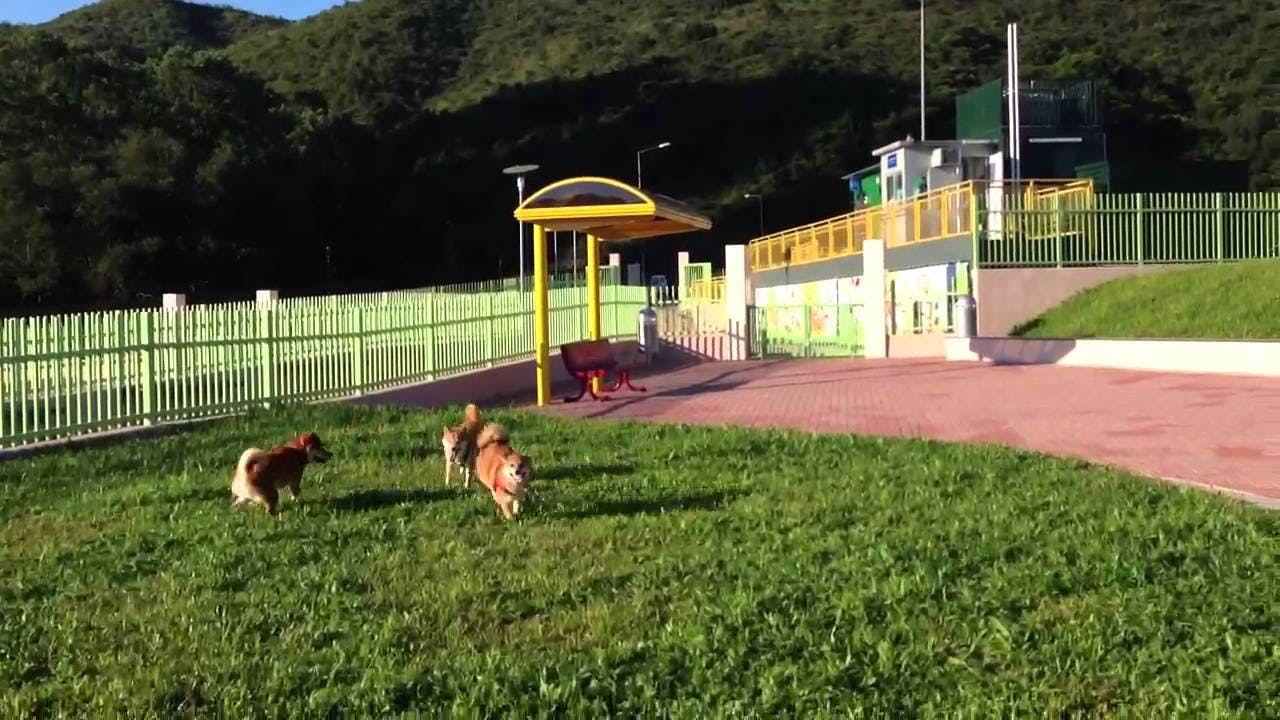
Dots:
{"x": 834, "y": 237}
{"x": 1044, "y": 208}
{"x": 1077, "y": 194}
{"x": 945, "y": 212}
{"x": 936, "y": 215}
{"x": 707, "y": 290}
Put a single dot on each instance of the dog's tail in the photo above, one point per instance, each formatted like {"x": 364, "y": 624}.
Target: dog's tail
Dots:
{"x": 471, "y": 415}
{"x": 247, "y": 459}
{"x": 492, "y": 433}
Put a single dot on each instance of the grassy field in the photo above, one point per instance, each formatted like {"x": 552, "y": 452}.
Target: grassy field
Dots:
{"x": 659, "y": 571}
{"x": 1230, "y": 301}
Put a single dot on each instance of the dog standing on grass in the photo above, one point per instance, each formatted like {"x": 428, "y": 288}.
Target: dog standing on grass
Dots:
{"x": 502, "y": 470}
{"x": 260, "y": 475}
{"x": 459, "y": 445}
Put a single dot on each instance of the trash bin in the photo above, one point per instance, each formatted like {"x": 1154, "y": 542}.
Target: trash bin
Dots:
{"x": 966, "y": 316}
{"x": 647, "y": 332}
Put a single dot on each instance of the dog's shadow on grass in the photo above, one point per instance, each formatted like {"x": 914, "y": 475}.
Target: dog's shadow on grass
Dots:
{"x": 582, "y": 472}
{"x": 702, "y": 502}
{"x": 204, "y": 494}
{"x": 366, "y": 500}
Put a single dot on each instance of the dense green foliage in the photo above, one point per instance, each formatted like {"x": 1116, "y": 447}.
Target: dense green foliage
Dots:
{"x": 1236, "y": 301}
{"x": 375, "y": 132}
{"x": 659, "y": 571}
{"x": 146, "y": 27}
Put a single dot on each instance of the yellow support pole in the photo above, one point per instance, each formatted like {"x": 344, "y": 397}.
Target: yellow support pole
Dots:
{"x": 541, "y": 325}
{"x": 593, "y": 288}
{"x": 593, "y": 296}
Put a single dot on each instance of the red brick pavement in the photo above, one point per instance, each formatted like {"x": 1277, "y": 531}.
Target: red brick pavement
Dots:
{"x": 1209, "y": 430}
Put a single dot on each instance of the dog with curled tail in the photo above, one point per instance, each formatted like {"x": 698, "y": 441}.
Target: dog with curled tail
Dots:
{"x": 260, "y": 475}
{"x": 503, "y": 471}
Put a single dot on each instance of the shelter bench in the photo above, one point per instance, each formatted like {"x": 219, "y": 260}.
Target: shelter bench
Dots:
{"x": 587, "y": 360}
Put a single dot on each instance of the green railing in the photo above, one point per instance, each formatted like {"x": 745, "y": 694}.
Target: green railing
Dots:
{"x": 64, "y": 375}
{"x": 820, "y": 330}
{"x": 1132, "y": 229}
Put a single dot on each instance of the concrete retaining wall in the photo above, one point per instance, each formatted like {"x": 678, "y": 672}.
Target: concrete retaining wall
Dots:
{"x": 917, "y": 346}
{"x": 1008, "y": 297}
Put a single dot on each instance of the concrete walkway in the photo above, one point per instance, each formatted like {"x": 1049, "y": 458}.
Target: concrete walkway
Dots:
{"x": 1220, "y": 432}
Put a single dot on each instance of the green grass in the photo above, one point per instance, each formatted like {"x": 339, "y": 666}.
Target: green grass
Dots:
{"x": 659, "y": 571}
{"x": 1231, "y": 301}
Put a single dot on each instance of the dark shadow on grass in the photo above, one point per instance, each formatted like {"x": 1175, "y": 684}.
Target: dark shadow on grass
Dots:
{"x": 209, "y": 494}
{"x": 366, "y": 500}
{"x": 583, "y": 472}
{"x": 653, "y": 506}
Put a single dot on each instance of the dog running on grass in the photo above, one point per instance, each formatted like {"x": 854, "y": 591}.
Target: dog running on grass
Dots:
{"x": 502, "y": 470}
{"x": 260, "y": 475}
{"x": 459, "y": 445}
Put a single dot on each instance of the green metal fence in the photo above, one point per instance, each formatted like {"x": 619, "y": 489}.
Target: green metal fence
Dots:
{"x": 65, "y": 375}
{"x": 1132, "y": 229}
{"x": 818, "y": 330}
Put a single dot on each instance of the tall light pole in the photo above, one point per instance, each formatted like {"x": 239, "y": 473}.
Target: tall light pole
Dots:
{"x": 659, "y": 146}
{"x": 760, "y": 199}
{"x": 520, "y": 171}
{"x": 643, "y": 269}
{"x": 922, "y": 135}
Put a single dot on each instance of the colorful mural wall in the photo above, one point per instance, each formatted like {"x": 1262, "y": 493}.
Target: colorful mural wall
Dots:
{"x": 920, "y": 298}
{"x": 823, "y": 306}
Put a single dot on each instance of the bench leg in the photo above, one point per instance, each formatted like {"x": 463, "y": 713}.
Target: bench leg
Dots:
{"x": 624, "y": 376}
{"x": 584, "y": 384}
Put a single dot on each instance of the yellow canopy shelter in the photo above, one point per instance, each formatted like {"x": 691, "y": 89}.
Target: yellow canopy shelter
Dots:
{"x": 605, "y": 210}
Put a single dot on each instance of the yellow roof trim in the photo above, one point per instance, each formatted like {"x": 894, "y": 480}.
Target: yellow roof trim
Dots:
{"x": 651, "y": 216}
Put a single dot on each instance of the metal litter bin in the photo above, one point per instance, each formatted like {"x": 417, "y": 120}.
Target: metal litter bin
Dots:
{"x": 966, "y": 316}
{"x": 647, "y": 332}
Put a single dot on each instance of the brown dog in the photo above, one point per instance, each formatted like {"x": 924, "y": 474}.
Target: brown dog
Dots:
{"x": 459, "y": 445}
{"x": 505, "y": 472}
{"x": 260, "y": 475}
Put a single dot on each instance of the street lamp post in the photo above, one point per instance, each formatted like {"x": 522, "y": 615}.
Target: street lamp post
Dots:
{"x": 922, "y": 108}
{"x": 659, "y": 146}
{"x": 520, "y": 171}
{"x": 759, "y": 199}
{"x": 643, "y": 269}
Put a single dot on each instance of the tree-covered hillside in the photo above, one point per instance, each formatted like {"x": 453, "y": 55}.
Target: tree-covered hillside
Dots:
{"x": 149, "y": 27}
{"x": 151, "y": 145}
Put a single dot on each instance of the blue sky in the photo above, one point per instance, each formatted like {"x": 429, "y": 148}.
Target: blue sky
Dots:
{"x": 37, "y": 11}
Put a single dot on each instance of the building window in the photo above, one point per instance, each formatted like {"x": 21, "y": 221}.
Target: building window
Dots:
{"x": 894, "y": 186}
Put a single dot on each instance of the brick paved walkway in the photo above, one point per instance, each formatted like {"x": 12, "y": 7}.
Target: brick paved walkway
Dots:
{"x": 1217, "y": 431}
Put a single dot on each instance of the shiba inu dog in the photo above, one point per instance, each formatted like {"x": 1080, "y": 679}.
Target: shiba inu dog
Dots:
{"x": 459, "y": 445}
{"x": 502, "y": 470}
{"x": 259, "y": 474}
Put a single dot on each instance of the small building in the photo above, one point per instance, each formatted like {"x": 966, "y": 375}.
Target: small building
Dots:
{"x": 864, "y": 187}
{"x": 912, "y": 167}
{"x": 1061, "y": 128}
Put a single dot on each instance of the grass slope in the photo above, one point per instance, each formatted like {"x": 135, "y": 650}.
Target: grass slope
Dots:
{"x": 660, "y": 571}
{"x": 1233, "y": 301}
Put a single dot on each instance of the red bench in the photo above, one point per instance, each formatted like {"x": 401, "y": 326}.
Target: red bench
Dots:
{"x": 587, "y": 360}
